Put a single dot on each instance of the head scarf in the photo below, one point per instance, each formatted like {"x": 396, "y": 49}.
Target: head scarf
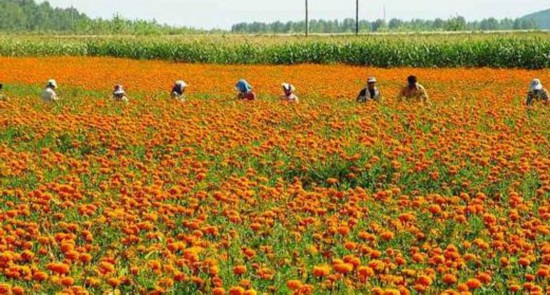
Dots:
{"x": 243, "y": 86}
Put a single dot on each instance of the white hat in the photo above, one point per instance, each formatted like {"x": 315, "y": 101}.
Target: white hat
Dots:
{"x": 119, "y": 90}
{"x": 536, "y": 85}
{"x": 181, "y": 83}
{"x": 52, "y": 83}
{"x": 288, "y": 87}
{"x": 371, "y": 80}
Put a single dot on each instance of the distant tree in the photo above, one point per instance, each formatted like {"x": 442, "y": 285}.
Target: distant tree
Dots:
{"x": 30, "y": 16}
{"x": 490, "y": 24}
{"x": 395, "y": 24}
{"x": 457, "y": 23}
{"x": 379, "y": 25}
{"x": 438, "y": 24}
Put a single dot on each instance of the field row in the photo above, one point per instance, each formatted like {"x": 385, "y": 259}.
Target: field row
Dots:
{"x": 520, "y": 50}
{"x": 218, "y": 196}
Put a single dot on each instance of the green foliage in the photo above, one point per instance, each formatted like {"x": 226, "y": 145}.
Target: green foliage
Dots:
{"x": 24, "y": 16}
{"x": 28, "y": 16}
{"x": 347, "y": 25}
{"x": 506, "y": 51}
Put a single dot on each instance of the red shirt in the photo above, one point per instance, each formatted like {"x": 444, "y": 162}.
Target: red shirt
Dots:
{"x": 248, "y": 96}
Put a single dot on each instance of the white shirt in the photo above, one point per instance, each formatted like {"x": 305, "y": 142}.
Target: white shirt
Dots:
{"x": 48, "y": 95}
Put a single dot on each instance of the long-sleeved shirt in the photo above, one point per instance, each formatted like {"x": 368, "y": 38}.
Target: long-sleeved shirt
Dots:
{"x": 418, "y": 92}
{"x": 247, "y": 96}
{"x": 367, "y": 94}
{"x": 178, "y": 96}
{"x": 49, "y": 95}
{"x": 542, "y": 94}
{"x": 291, "y": 98}
{"x": 121, "y": 97}
{"x": 178, "y": 93}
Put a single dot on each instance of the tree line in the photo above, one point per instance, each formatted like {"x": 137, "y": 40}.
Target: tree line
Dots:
{"x": 458, "y": 23}
{"x": 21, "y": 16}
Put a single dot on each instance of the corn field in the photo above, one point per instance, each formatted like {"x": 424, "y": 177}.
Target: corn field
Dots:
{"x": 521, "y": 50}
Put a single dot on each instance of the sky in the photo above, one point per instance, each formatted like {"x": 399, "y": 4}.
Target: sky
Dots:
{"x": 222, "y": 14}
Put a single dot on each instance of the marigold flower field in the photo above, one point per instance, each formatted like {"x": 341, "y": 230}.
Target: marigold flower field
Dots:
{"x": 217, "y": 196}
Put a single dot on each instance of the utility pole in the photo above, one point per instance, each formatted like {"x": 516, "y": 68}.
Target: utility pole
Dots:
{"x": 72, "y": 17}
{"x": 307, "y": 19}
{"x": 357, "y": 18}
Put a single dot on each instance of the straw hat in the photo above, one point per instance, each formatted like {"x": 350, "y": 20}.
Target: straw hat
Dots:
{"x": 52, "y": 83}
{"x": 536, "y": 85}
{"x": 288, "y": 87}
{"x": 118, "y": 90}
{"x": 181, "y": 83}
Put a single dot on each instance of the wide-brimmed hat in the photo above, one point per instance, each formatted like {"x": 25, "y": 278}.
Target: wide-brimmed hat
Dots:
{"x": 371, "y": 80}
{"x": 536, "y": 85}
{"x": 119, "y": 90}
{"x": 181, "y": 83}
{"x": 52, "y": 83}
{"x": 288, "y": 87}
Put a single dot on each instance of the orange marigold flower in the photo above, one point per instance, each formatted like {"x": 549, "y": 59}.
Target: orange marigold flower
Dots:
{"x": 59, "y": 268}
{"x": 239, "y": 270}
{"x": 17, "y": 290}
{"x": 463, "y": 288}
{"x": 449, "y": 279}
{"x": 40, "y": 276}
{"x": 473, "y": 284}
{"x": 236, "y": 291}
{"x": 5, "y": 288}
{"x": 424, "y": 280}
{"x": 332, "y": 181}
{"x": 524, "y": 262}
{"x": 387, "y": 235}
{"x": 343, "y": 268}
{"x": 514, "y": 288}
{"x": 543, "y": 272}
{"x": 293, "y": 284}
{"x": 365, "y": 272}
{"x": 321, "y": 271}
{"x": 67, "y": 281}
{"x": 343, "y": 230}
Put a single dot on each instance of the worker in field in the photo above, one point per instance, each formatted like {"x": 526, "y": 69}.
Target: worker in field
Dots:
{"x": 119, "y": 94}
{"x": 370, "y": 92}
{"x": 289, "y": 93}
{"x": 245, "y": 90}
{"x": 178, "y": 90}
{"x": 2, "y": 96}
{"x": 413, "y": 91}
{"x": 48, "y": 94}
{"x": 537, "y": 92}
